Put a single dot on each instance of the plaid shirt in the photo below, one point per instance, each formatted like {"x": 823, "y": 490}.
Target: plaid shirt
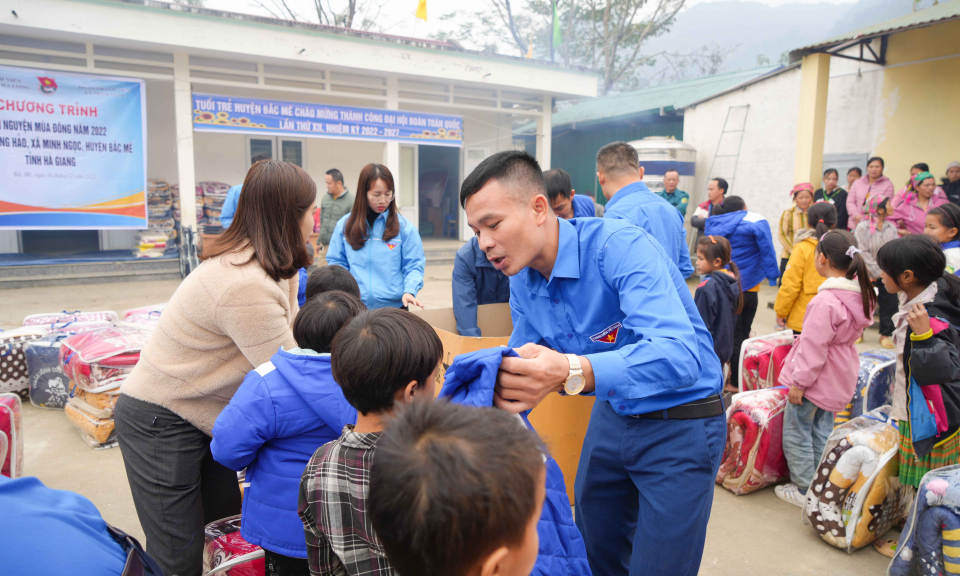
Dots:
{"x": 333, "y": 505}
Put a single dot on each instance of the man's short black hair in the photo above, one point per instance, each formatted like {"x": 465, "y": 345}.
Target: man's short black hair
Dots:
{"x": 260, "y": 157}
{"x": 731, "y": 204}
{"x": 451, "y": 484}
{"x": 322, "y": 317}
{"x": 513, "y": 167}
{"x": 558, "y": 184}
{"x": 331, "y": 277}
{"x": 381, "y": 351}
{"x": 721, "y": 184}
{"x": 617, "y": 158}
{"x": 672, "y": 170}
{"x": 335, "y": 174}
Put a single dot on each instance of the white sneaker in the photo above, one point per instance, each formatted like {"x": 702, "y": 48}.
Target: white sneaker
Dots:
{"x": 790, "y": 493}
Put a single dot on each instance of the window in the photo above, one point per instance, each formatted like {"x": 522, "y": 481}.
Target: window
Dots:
{"x": 286, "y": 149}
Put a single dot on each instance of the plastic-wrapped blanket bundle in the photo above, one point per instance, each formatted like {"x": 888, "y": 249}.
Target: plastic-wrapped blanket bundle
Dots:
{"x": 930, "y": 542}
{"x": 14, "y": 374}
{"x": 97, "y": 362}
{"x": 63, "y": 318}
{"x": 878, "y": 368}
{"x": 49, "y": 385}
{"x": 761, "y": 360}
{"x": 856, "y": 495}
{"x": 152, "y": 244}
{"x": 753, "y": 457}
{"x": 226, "y": 553}
{"x": 148, "y": 316}
{"x": 11, "y": 436}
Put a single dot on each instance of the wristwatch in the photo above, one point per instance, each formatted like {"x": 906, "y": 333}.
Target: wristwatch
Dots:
{"x": 575, "y": 381}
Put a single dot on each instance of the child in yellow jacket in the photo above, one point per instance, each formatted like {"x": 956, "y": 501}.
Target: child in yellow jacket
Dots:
{"x": 801, "y": 280}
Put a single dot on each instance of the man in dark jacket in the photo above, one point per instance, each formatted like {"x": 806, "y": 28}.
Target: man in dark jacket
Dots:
{"x": 334, "y": 205}
{"x": 475, "y": 281}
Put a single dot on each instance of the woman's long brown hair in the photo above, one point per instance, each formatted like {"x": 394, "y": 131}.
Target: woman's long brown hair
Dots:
{"x": 273, "y": 200}
{"x": 355, "y": 230}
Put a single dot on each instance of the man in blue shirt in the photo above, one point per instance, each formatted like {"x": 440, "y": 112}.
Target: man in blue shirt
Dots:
{"x": 475, "y": 282}
{"x": 563, "y": 199}
{"x": 628, "y": 198}
{"x": 599, "y": 308}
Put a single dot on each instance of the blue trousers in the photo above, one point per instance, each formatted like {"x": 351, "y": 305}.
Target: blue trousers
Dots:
{"x": 806, "y": 429}
{"x": 660, "y": 472}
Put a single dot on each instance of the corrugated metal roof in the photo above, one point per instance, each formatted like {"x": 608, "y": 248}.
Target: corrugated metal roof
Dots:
{"x": 649, "y": 100}
{"x": 761, "y": 78}
{"x": 939, "y": 13}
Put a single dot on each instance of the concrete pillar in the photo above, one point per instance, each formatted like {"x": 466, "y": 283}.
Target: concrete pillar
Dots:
{"x": 545, "y": 133}
{"x": 183, "y": 120}
{"x": 814, "y": 80}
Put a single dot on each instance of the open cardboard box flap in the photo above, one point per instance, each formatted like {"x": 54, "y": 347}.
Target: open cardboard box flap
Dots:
{"x": 561, "y": 422}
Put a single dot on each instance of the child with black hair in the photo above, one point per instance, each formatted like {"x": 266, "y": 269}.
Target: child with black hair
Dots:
{"x": 285, "y": 410}
{"x": 457, "y": 491}
{"x": 719, "y": 297}
{"x": 871, "y": 234}
{"x": 943, "y": 225}
{"x": 329, "y": 278}
{"x": 926, "y": 393}
{"x": 801, "y": 279}
{"x": 382, "y": 359}
{"x": 821, "y": 368}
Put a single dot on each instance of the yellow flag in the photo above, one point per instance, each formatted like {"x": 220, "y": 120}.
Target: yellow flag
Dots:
{"x": 422, "y": 10}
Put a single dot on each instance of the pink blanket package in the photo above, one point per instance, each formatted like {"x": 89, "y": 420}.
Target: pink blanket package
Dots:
{"x": 11, "y": 436}
{"x": 753, "y": 457}
{"x": 226, "y": 553}
{"x": 99, "y": 360}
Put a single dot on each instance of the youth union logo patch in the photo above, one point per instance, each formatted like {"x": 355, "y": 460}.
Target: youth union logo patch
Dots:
{"x": 392, "y": 245}
{"x": 608, "y": 335}
{"x": 47, "y": 85}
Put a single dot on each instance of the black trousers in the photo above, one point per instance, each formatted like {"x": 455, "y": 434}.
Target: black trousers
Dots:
{"x": 887, "y": 306}
{"x": 783, "y": 268}
{"x": 742, "y": 331}
{"x": 177, "y": 486}
{"x": 279, "y": 565}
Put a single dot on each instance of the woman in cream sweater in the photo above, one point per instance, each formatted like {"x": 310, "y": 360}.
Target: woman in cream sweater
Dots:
{"x": 227, "y": 317}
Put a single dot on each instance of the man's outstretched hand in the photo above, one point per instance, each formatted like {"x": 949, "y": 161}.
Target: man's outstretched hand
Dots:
{"x": 524, "y": 382}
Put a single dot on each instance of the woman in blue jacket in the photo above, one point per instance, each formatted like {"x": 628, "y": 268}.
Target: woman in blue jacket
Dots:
{"x": 381, "y": 248}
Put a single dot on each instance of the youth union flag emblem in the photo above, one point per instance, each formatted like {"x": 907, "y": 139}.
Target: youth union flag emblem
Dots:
{"x": 47, "y": 85}
{"x": 608, "y": 335}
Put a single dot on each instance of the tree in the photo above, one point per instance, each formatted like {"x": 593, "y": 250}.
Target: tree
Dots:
{"x": 358, "y": 14}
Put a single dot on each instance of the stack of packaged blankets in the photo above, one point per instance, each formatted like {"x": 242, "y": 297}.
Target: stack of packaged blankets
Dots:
{"x": 214, "y": 195}
{"x": 152, "y": 244}
{"x": 96, "y": 363}
{"x": 160, "y": 221}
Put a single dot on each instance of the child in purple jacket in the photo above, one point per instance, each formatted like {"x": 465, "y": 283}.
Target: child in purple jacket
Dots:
{"x": 821, "y": 369}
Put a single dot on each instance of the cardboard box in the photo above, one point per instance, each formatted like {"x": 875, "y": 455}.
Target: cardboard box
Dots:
{"x": 560, "y": 421}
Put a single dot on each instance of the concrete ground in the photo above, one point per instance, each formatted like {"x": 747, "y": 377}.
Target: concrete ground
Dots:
{"x": 752, "y": 535}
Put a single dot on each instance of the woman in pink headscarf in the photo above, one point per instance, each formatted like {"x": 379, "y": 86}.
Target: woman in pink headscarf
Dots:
{"x": 793, "y": 220}
{"x": 909, "y": 215}
{"x": 867, "y": 192}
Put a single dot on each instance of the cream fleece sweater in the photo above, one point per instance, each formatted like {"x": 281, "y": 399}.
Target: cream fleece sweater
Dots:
{"x": 221, "y": 322}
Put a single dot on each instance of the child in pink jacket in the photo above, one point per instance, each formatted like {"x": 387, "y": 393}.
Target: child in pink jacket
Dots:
{"x": 821, "y": 369}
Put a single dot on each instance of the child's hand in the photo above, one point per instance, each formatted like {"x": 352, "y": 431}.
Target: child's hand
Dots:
{"x": 781, "y": 323}
{"x": 795, "y": 396}
{"x": 903, "y": 232}
{"x": 918, "y": 319}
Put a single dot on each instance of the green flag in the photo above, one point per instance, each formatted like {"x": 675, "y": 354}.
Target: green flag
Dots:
{"x": 557, "y": 39}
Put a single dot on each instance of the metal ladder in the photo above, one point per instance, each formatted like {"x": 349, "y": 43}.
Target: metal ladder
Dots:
{"x": 733, "y": 120}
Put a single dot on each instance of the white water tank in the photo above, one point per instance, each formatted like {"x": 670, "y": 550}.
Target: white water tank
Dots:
{"x": 661, "y": 153}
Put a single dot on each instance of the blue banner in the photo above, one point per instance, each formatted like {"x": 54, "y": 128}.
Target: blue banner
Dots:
{"x": 72, "y": 151}
{"x": 212, "y": 113}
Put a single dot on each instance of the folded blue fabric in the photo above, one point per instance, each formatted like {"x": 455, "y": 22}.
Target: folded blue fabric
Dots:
{"x": 470, "y": 380}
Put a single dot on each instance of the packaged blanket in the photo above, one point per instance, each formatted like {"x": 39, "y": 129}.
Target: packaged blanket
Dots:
{"x": 753, "y": 457}
{"x": 856, "y": 495}
{"x": 96, "y": 427}
{"x": 226, "y": 553}
{"x": 144, "y": 315}
{"x": 878, "y": 368}
{"x": 100, "y": 360}
{"x": 761, "y": 360}
{"x": 11, "y": 432}
{"x": 930, "y": 541}
{"x": 98, "y": 400}
{"x": 49, "y": 385}
{"x": 62, "y": 317}
{"x": 14, "y": 374}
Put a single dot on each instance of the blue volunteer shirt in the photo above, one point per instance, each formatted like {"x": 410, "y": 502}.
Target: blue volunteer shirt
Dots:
{"x": 229, "y": 209}
{"x": 638, "y": 205}
{"x": 616, "y": 297}
{"x": 583, "y": 206}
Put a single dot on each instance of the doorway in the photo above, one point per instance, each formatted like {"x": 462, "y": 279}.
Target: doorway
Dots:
{"x": 53, "y": 242}
{"x": 438, "y": 188}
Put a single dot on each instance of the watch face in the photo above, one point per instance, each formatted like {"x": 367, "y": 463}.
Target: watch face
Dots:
{"x": 574, "y": 384}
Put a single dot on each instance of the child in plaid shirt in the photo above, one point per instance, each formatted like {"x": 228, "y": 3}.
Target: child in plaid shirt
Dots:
{"x": 381, "y": 359}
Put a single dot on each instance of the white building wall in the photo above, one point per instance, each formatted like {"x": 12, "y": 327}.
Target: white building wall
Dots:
{"x": 853, "y": 103}
{"x": 764, "y": 170}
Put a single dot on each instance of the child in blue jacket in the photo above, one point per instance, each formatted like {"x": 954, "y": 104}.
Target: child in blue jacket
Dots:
{"x": 719, "y": 297}
{"x": 285, "y": 410}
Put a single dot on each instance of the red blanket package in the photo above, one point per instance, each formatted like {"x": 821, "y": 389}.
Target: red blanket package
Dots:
{"x": 226, "y": 553}
{"x": 100, "y": 360}
{"x": 61, "y": 317}
{"x": 761, "y": 360}
{"x": 11, "y": 436}
{"x": 753, "y": 457}
{"x": 145, "y": 315}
